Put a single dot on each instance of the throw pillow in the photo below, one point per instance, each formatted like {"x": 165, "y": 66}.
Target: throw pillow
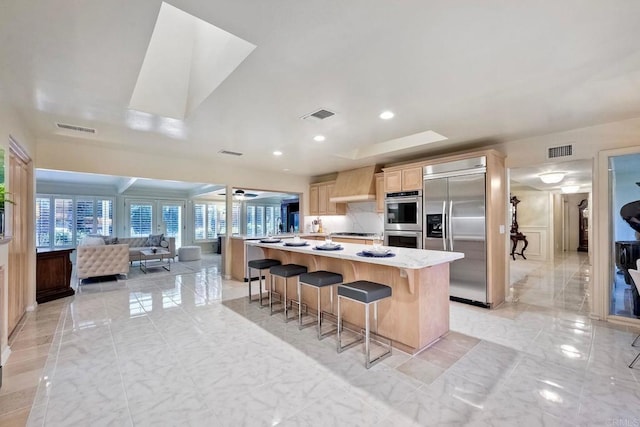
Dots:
{"x": 164, "y": 244}
{"x": 91, "y": 241}
{"x": 110, "y": 240}
{"x": 154, "y": 239}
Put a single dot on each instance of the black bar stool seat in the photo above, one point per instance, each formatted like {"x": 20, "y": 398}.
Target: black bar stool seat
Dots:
{"x": 363, "y": 292}
{"x": 285, "y": 271}
{"x": 260, "y": 264}
{"x": 318, "y": 279}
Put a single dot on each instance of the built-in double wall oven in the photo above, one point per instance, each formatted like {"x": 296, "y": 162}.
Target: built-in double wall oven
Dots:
{"x": 403, "y": 219}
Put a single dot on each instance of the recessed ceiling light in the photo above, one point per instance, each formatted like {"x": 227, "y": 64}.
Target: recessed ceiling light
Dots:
{"x": 277, "y": 153}
{"x": 386, "y": 115}
{"x": 319, "y": 138}
{"x": 286, "y": 169}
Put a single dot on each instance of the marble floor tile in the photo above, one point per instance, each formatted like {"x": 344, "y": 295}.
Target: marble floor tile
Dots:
{"x": 187, "y": 349}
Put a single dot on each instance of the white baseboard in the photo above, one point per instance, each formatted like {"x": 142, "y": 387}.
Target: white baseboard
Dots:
{"x": 6, "y": 352}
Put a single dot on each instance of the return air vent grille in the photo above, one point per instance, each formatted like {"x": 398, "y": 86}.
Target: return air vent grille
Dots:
{"x": 319, "y": 115}
{"x": 562, "y": 151}
{"x": 231, "y": 153}
{"x": 75, "y": 128}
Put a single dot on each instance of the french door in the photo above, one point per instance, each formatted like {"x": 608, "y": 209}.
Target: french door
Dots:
{"x": 146, "y": 217}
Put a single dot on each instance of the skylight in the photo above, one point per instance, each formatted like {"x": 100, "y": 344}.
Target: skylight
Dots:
{"x": 186, "y": 60}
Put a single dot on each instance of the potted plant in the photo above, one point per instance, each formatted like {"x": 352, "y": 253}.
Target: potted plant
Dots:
{"x": 3, "y": 199}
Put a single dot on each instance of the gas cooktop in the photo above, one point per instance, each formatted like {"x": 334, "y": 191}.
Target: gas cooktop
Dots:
{"x": 350, "y": 233}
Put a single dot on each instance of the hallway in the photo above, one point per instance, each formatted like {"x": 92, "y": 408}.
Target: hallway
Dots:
{"x": 561, "y": 284}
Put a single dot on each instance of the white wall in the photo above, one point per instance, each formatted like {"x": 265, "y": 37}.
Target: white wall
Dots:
{"x": 361, "y": 217}
{"x": 534, "y": 221}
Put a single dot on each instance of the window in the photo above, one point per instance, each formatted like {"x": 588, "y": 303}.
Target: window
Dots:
{"x": 208, "y": 220}
{"x": 140, "y": 219}
{"x": 261, "y": 219}
{"x": 43, "y": 222}
{"x": 84, "y": 219}
{"x": 64, "y": 221}
{"x": 104, "y": 217}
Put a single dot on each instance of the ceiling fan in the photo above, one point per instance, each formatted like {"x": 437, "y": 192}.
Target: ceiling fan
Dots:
{"x": 242, "y": 194}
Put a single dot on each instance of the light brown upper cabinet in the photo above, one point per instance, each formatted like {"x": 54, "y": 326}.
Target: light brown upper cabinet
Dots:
{"x": 313, "y": 199}
{"x": 319, "y": 203}
{"x": 403, "y": 180}
{"x": 323, "y": 199}
{"x": 380, "y": 192}
{"x": 412, "y": 179}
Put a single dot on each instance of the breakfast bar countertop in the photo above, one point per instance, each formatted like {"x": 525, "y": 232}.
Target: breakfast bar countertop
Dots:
{"x": 405, "y": 258}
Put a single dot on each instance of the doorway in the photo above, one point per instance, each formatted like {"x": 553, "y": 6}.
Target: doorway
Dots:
{"x": 145, "y": 217}
{"x": 555, "y": 273}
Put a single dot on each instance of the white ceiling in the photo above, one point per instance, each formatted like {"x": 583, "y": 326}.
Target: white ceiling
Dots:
{"x": 577, "y": 173}
{"x": 136, "y": 186}
{"x": 475, "y": 72}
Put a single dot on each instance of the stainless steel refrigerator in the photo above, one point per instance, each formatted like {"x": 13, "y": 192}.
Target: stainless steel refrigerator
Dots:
{"x": 454, "y": 209}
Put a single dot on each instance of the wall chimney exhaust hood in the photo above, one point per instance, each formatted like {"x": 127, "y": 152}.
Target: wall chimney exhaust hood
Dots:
{"x": 356, "y": 185}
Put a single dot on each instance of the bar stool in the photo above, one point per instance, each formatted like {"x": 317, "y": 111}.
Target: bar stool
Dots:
{"x": 260, "y": 264}
{"x": 366, "y": 293}
{"x": 285, "y": 271}
{"x": 317, "y": 279}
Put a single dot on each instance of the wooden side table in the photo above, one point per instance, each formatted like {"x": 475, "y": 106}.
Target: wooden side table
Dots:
{"x": 515, "y": 238}
{"x": 53, "y": 275}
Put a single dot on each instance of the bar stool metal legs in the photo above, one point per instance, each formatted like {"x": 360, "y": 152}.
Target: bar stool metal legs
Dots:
{"x": 318, "y": 280}
{"x": 633, "y": 344}
{"x": 285, "y": 271}
{"x": 366, "y": 293}
{"x": 260, "y": 265}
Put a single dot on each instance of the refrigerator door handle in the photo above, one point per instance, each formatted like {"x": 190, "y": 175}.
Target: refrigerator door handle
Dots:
{"x": 444, "y": 226}
{"x": 450, "y": 229}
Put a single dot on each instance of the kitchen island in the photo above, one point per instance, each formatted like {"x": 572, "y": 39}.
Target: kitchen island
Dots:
{"x": 414, "y": 317}
{"x": 242, "y": 254}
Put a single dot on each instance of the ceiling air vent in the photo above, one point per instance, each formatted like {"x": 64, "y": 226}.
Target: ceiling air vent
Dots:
{"x": 562, "y": 151}
{"x": 231, "y": 153}
{"x": 75, "y": 128}
{"x": 319, "y": 115}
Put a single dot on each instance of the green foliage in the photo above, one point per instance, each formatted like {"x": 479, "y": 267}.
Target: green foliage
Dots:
{"x": 4, "y": 197}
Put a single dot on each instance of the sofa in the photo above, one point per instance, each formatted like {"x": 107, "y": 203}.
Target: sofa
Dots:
{"x": 101, "y": 260}
{"x": 138, "y": 243}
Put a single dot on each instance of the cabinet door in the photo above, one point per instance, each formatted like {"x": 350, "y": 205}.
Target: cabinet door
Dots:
{"x": 323, "y": 199}
{"x": 313, "y": 200}
{"x": 380, "y": 194}
{"x": 412, "y": 179}
{"x": 392, "y": 181}
{"x": 331, "y": 207}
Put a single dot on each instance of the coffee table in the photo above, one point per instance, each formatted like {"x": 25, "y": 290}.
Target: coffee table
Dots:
{"x": 158, "y": 255}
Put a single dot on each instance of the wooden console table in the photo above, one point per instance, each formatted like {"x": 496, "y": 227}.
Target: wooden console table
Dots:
{"x": 53, "y": 275}
{"x": 515, "y": 238}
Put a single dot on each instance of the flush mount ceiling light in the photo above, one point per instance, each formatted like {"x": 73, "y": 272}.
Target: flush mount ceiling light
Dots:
{"x": 386, "y": 115}
{"x": 551, "y": 177}
{"x": 277, "y": 153}
{"x": 319, "y": 138}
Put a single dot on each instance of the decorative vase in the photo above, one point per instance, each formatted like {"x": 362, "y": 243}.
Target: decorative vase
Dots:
{"x": 316, "y": 227}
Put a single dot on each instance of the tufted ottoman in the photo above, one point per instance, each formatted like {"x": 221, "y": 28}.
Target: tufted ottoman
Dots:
{"x": 189, "y": 253}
